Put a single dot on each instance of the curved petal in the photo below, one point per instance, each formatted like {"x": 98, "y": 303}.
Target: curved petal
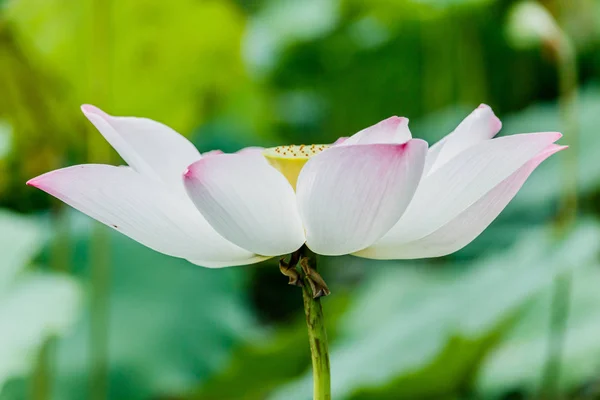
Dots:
{"x": 211, "y": 153}
{"x": 350, "y": 196}
{"x": 149, "y": 147}
{"x": 464, "y": 228}
{"x": 253, "y": 151}
{"x": 391, "y": 130}
{"x": 255, "y": 259}
{"x": 142, "y": 209}
{"x": 247, "y": 201}
{"x": 340, "y": 140}
{"x": 481, "y": 125}
{"x": 462, "y": 181}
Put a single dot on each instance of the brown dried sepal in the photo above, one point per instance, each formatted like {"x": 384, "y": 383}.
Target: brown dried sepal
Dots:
{"x": 315, "y": 280}
{"x": 289, "y": 270}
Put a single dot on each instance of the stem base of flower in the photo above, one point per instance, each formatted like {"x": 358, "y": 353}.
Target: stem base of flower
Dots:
{"x": 317, "y": 284}
{"x": 313, "y": 288}
{"x": 317, "y": 337}
{"x": 308, "y": 274}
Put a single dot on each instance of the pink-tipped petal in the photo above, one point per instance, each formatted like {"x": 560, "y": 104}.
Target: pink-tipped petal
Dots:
{"x": 212, "y": 153}
{"x": 340, "y": 140}
{"x": 464, "y": 180}
{"x": 350, "y": 196}
{"x": 91, "y": 109}
{"x": 464, "y": 228}
{"x": 149, "y": 147}
{"x": 145, "y": 211}
{"x": 393, "y": 130}
{"x": 481, "y": 125}
{"x": 247, "y": 201}
{"x": 253, "y": 151}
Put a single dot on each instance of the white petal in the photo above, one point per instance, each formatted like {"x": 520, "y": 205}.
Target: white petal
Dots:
{"x": 479, "y": 126}
{"x": 464, "y": 228}
{"x": 211, "y": 153}
{"x": 391, "y": 130}
{"x": 247, "y": 201}
{"x": 252, "y": 151}
{"x": 149, "y": 147}
{"x": 254, "y": 259}
{"x": 462, "y": 181}
{"x": 340, "y": 140}
{"x": 142, "y": 209}
{"x": 350, "y": 196}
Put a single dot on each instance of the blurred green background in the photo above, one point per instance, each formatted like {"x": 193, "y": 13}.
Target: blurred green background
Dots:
{"x": 88, "y": 314}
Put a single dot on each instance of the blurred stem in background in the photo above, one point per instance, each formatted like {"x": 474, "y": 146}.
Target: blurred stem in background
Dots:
{"x": 565, "y": 56}
{"x": 566, "y": 62}
{"x": 45, "y": 367}
{"x": 99, "y": 307}
{"x": 469, "y": 47}
{"x": 438, "y": 84}
{"x": 60, "y": 252}
{"x": 531, "y": 25}
{"x": 40, "y": 387}
{"x": 99, "y": 151}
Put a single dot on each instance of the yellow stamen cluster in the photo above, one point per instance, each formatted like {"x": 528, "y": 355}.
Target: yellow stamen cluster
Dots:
{"x": 299, "y": 151}
{"x": 289, "y": 160}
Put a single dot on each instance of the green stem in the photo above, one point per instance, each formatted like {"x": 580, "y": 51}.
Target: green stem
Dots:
{"x": 41, "y": 382}
{"x": 99, "y": 313}
{"x": 317, "y": 337}
{"x": 567, "y": 77}
{"x": 98, "y": 151}
{"x": 567, "y": 74}
{"x": 558, "y": 331}
{"x": 45, "y": 367}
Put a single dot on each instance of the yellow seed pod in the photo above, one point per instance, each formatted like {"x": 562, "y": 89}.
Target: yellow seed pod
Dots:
{"x": 289, "y": 160}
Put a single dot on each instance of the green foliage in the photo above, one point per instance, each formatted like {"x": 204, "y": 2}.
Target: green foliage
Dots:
{"x": 264, "y": 359}
{"x": 178, "y": 63}
{"x": 20, "y": 239}
{"x": 537, "y": 202}
{"x": 521, "y": 356}
{"x": 279, "y": 356}
{"x": 543, "y": 188}
{"x": 279, "y": 24}
{"x": 235, "y": 73}
{"x": 172, "y": 324}
{"x": 33, "y": 305}
{"x": 132, "y": 44}
{"x": 432, "y": 319}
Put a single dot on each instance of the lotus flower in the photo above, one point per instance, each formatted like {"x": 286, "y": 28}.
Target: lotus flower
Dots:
{"x": 378, "y": 194}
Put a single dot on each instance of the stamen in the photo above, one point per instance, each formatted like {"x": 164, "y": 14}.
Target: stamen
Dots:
{"x": 290, "y": 159}
{"x": 296, "y": 151}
